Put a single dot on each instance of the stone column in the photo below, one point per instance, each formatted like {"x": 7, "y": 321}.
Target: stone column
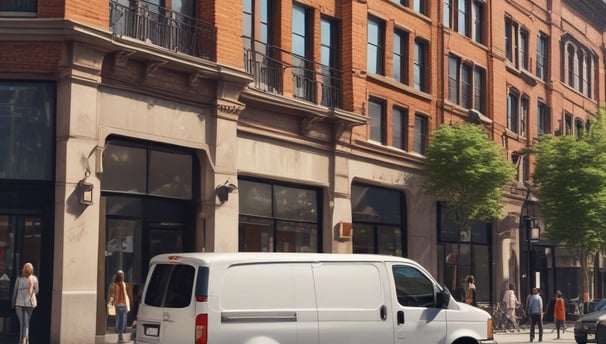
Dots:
{"x": 75, "y": 256}
{"x": 221, "y": 218}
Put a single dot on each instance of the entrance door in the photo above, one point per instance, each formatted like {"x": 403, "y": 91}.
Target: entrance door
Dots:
{"x": 20, "y": 242}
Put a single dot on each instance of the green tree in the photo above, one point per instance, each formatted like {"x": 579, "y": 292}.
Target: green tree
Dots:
{"x": 466, "y": 171}
{"x": 570, "y": 181}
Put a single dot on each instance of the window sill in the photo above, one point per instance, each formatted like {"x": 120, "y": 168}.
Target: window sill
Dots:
{"x": 399, "y": 86}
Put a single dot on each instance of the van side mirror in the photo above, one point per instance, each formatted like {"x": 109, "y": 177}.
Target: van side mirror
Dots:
{"x": 443, "y": 298}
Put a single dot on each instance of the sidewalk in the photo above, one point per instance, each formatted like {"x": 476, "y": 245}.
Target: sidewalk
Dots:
{"x": 549, "y": 335}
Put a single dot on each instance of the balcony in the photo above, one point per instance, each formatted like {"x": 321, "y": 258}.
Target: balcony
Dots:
{"x": 311, "y": 81}
{"x": 160, "y": 26}
{"x": 18, "y": 6}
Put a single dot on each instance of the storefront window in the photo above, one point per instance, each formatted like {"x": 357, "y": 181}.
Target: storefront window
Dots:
{"x": 278, "y": 218}
{"x": 378, "y": 220}
{"x": 27, "y": 134}
{"x": 461, "y": 254}
{"x": 140, "y": 169}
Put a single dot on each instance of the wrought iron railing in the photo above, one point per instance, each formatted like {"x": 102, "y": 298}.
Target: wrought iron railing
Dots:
{"x": 18, "y": 6}
{"x": 163, "y": 27}
{"x": 312, "y": 81}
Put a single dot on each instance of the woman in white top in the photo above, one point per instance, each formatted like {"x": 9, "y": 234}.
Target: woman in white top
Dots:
{"x": 25, "y": 288}
{"x": 511, "y": 301}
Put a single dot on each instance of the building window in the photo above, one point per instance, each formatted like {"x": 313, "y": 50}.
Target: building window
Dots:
{"x": 420, "y": 6}
{"x": 376, "y": 112}
{"x": 329, "y": 57}
{"x": 567, "y": 123}
{"x": 579, "y": 127}
{"x": 579, "y": 69}
{"x": 303, "y": 73}
{"x": 524, "y": 104}
{"x": 524, "y": 49}
{"x": 517, "y": 112}
{"x": 257, "y": 24}
{"x": 16, "y": 7}
{"x": 465, "y": 17}
{"x": 516, "y": 45}
{"x": 421, "y": 134}
{"x": 420, "y": 67}
{"x": 513, "y": 102}
{"x": 463, "y": 254}
{"x": 400, "y": 56}
{"x": 466, "y": 84}
{"x": 27, "y": 130}
{"x": 399, "y": 127}
{"x": 138, "y": 168}
{"x": 541, "y": 58}
{"x": 379, "y": 218}
{"x": 376, "y": 46}
{"x": 543, "y": 119}
{"x": 278, "y": 218}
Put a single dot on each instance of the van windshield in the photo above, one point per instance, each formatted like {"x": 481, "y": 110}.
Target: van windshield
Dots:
{"x": 170, "y": 286}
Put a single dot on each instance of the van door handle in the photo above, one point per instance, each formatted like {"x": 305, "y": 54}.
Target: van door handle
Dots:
{"x": 383, "y": 312}
{"x": 166, "y": 317}
{"x": 400, "y": 317}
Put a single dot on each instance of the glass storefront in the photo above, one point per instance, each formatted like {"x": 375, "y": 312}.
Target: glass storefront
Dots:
{"x": 460, "y": 255}
{"x": 278, "y": 218}
{"x": 379, "y": 218}
{"x": 149, "y": 198}
{"x": 27, "y": 165}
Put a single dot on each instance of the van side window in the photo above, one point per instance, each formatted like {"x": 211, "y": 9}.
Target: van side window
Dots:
{"x": 413, "y": 288}
{"x": 170, "y": 286}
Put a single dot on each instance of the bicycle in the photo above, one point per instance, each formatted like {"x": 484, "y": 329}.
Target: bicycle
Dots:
{"x": 501, "y": 322}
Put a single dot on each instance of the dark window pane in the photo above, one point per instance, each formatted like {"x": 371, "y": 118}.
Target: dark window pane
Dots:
{"x": 364, "y": 238}
{"x": 295, "y": 204}
{"x": 124, "y": 169}
{"x": 399, "y": 127}
{"x": 420, "y": 139}
{"x": 375, "y": 205}
{"x": 296, "y": 237}
{"x": 377, "y": 120}
{"x": 170, "y": 174}
{"x": 256, "y": 234}
{"x": 255, "y": 198}
{"x": 27, "y": 135}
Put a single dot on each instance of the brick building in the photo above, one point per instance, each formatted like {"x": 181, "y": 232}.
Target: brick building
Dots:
{"x": 130, "y": 128}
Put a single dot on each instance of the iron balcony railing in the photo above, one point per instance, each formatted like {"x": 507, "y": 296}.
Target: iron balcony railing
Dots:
{"x": 163, "y": 27}
{"x": 312, "y": 81}
{"x": 18, "y": 6}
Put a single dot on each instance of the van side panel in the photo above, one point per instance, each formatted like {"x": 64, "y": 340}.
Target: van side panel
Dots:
{"x": 265, "y": 303}
{"x": 353, "y": 303}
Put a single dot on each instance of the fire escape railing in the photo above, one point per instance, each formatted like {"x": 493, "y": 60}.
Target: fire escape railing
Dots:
{"x": 151, "y": 23}
{"x": 312, "y": 81}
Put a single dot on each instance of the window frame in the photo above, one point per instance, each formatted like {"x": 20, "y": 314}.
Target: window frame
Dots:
{"x": 421, "y": 65}
{"x": 376, "y": 44}
{"x": 421, "y": 133}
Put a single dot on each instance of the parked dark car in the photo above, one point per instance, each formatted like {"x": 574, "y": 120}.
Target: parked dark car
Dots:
{"x": 585, "y": 327}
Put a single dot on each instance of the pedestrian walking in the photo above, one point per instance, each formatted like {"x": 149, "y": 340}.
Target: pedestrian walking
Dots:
{"x": 118, "y": 296}
{"x": 534, "y": 308}
{"x": 25, "y": 300}
{"x": 559, "y": 313}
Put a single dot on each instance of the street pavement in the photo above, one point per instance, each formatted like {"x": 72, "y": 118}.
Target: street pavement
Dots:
{"x": 549, "y": 335}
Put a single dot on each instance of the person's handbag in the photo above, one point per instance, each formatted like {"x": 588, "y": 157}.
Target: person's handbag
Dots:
{"x": 111, "y": 310}
{"x": 33, "y": 300}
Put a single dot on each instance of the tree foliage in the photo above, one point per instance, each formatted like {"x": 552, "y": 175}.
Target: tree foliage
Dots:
{"x": 570, "y": 180}
{"x": 467, "y": 171}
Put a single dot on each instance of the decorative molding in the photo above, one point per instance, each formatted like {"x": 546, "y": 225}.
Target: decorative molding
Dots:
{"x": 121, "y": 57}
{"x": 152, "y": 67}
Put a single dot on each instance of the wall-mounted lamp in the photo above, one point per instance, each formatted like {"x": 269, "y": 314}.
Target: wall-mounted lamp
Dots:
{"x": 224, "y": 190}
{"x": 535, "y": 230}
{"x": 85, "y": 192}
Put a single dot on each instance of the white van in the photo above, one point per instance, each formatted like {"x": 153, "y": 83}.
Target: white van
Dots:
{"x": 304, "y": 298}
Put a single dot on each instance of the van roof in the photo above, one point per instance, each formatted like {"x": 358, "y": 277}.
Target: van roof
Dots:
{"x": 208, "y": 258}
